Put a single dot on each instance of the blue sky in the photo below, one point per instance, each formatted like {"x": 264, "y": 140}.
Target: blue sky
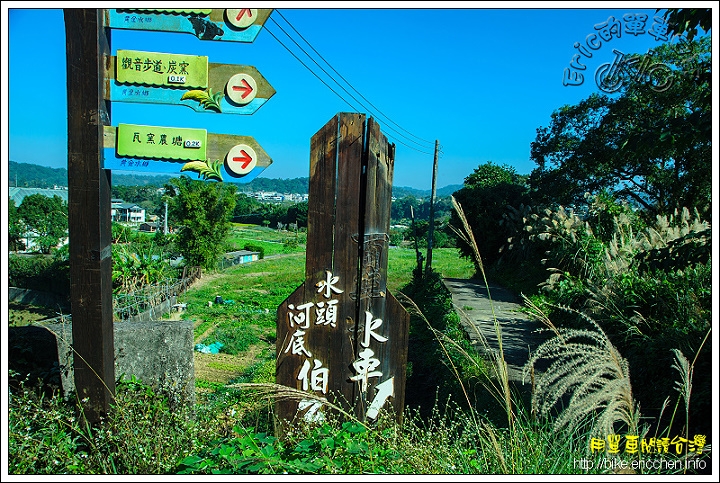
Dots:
{"x": 481, "y": 81}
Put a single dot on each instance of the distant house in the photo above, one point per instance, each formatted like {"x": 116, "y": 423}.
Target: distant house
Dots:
{"x": 127, "y": 212}
{"x": 148, "y": 227}
{"x": 241, "y": 256}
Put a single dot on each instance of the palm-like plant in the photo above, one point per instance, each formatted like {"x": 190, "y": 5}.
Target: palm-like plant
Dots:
{"x": 136, "y": 266}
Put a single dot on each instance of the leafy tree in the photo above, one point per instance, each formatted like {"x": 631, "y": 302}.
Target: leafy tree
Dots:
{"x": 443, "y": 237}
{"x": 650, "y": 145}
{"x": 136, "y": 266}
{"x": 400, "y": 208}
{"x": 489, "y": 175}
{"x": 298, "y": 213}
{"x": 201, "y": 212}
{"x": 485, "y": 196}
{"x": 15, "y": 228}
{"x": 46, "y": 218}
{"x": 409, "y": 205}
{"x": 246, "y": 207}
{"x": 685, "y": 21}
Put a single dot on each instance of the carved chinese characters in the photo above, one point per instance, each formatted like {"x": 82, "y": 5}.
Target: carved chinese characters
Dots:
{"x": 341, "y": 336}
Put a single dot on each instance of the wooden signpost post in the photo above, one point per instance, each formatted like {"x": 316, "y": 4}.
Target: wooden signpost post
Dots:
{"x": 341, "y": 335}
{"x": 95, "y": 147}
{"x": 89, "y": 220}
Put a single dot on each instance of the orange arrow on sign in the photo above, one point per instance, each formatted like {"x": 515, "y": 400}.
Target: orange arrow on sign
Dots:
{"x": 246, "y": 88}
{"x": 244, "y": 158}
{"x": 242, "y": 13}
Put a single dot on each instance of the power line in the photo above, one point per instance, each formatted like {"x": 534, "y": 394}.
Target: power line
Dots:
{"x": 335, "y": 92}
{"x": 345, "y": 80}
{"x": 308, "y": 68}
{"x": 336, "y": 82}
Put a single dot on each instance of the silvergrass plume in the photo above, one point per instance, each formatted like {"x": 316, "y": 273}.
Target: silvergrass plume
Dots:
{"x": 584, "y": 364}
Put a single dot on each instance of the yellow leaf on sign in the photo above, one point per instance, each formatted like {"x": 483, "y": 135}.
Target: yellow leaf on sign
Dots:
{"x": 208, "y": 170}
{"x": 194, "y": 166}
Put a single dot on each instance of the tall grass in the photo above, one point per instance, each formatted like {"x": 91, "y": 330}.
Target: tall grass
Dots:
{"x": 232, "y": 431}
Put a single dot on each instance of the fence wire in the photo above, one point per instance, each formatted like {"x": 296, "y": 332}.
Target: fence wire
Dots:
{"x": 131, "y": 304}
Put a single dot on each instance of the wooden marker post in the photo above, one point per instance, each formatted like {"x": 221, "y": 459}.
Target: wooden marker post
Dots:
{"x": 341, "y": 335}
{"x": 89, "y": 221}
{"x": 93, "y": 78}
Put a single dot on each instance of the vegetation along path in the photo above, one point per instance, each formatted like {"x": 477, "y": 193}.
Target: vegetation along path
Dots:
{"x": 478, "y": 312}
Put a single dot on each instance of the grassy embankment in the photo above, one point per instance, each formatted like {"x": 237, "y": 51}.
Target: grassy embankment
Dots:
{"x": 231, "y": 431}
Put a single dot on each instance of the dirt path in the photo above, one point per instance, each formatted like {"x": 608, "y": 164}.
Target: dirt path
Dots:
{"x": 478, "y": 311}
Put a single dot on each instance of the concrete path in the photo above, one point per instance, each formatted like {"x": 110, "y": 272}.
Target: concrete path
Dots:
{"x": 478, "y": 311}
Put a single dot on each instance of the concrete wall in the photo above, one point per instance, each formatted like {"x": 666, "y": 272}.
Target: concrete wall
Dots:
{"x": 158, "y": 353}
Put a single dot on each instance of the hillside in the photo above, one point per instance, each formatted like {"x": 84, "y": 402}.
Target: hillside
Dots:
{"x": 30, "y": 175}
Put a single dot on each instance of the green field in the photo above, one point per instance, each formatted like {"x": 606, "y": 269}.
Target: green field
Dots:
{"x": 273, "y": 241}
{"x": 230, "y": 428}
{"x": 245, "y": 324}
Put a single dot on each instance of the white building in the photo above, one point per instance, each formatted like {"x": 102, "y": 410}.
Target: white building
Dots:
{"x": 127, "y": 212}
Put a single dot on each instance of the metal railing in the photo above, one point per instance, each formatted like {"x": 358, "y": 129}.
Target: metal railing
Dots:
{"x": 132, "y": 304}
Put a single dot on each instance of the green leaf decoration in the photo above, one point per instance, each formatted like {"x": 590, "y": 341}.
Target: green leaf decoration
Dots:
{"x": 207, "y": 170}
{"x": 207, "y": 99}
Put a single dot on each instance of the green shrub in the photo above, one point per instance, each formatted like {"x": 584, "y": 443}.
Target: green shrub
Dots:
{"x": 142, "y": 434}
{"x": 255, "y": 248}
{"x": 46, "y": 274}
{"x": 438, "y": 345}
{"x": 290, "y": 244}
{"x": 325, "y": 449}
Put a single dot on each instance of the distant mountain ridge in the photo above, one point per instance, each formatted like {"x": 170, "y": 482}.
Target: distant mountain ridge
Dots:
{"x": 30, "y": 175}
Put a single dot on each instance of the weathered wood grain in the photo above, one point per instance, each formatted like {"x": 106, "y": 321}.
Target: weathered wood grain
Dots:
{"x": 351, "y": 168}
{"x": 89, "y": 219}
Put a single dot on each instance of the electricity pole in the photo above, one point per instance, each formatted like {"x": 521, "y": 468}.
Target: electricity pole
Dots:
{"x": 431, "y": 227}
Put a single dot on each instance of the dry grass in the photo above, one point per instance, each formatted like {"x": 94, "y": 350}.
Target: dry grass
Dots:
{"x": 585, "y": 365}
{"x": 222, "y": 368}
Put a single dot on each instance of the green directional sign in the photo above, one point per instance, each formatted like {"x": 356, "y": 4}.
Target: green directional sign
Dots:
{"x": 162, "y": 149}
{"x": 229, "y": 24}
{"x": 157, "y": 142}
{"x": 160, "y": 69}
{"x": 186, "y": 80}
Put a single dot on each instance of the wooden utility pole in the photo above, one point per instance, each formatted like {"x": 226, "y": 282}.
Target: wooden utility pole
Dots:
{"x": 431, "y": 227}
{"x": 87, "y": 48}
